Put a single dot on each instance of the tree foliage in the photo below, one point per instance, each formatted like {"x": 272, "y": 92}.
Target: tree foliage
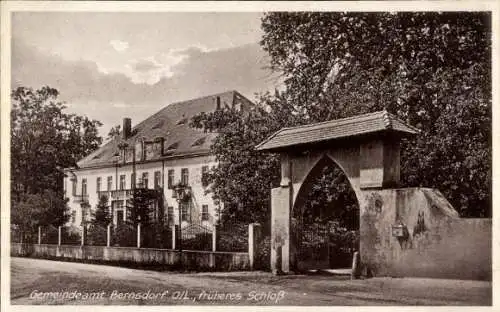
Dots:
{"x": 33, "y": 210}
{"x": 114, "y": 131}
{"x": 245, "y": 195}
{"x": 102, "y": 214}
{"x": 140, "y": 207}
{"x": 44, "y": 139}
{"x": 431, "y": 69}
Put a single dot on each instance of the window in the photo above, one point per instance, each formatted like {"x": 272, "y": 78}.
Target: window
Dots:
{"x": 132, "y": 180}
{"x": 204, "y": 213}
{"x": 170, "y": 181}
{"x": 145, "y": 179}
{"x": 122, "y": 182}
{"x": 98, "y": 184}
{"x": 119, "y": 204}
{"x": 173, "y": 146}
{"x": 110, "y": 183}
{"x": 184, "y": 211}
{"x": 182, "y": 121}
{"x": 74, "y": 185}
{"x": 84, "y": 186}
{"x": 119, "y": 216}
{"x": 199, "y": 142}
{"x": 170, "y": 214}
{"x": 204, "y": 176}
{"x": 159, "y": 124}
{"x": 157, "y": 179}
{"x": 185, "y": 176}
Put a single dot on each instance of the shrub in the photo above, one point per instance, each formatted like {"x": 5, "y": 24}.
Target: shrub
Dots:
{"x": 97, "y": 235}
{"x": 71, "y": 235}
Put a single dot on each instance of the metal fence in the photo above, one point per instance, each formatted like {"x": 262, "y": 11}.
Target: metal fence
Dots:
{"x": 49, "y": 235}
{"x": 325, "y": 245}
{"x": 156, "y": 236}
{"x": 97, "y": 235}
{"x": 18, "y": 236}
{"x": 71, "y": 235}
{"x": 196, "y": 236}
{"x": 124, "y": 235}
{"x": 232, "y": 237}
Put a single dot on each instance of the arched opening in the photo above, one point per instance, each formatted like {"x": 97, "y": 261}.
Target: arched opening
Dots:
{"x": 325, "y": 220}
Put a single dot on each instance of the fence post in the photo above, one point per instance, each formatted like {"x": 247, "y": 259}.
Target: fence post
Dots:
{"x": 108, "y": 236}
{"x": 59, "y": 236}
{"x": 84, "y": 227}
{"x": 139, "y": 235}
{"x": 214, "y": 238}
{"x": 39, "y": 235}
{"x": 253, "y": 241}
{"x": 174, "y": 237}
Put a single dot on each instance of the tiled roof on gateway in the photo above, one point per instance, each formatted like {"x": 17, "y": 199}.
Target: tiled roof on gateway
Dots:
{"x": 172, "y": 125}
{"x": 336, "y": 129}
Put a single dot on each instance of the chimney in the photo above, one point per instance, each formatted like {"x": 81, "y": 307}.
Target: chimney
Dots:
{"x": 127, "y": 128}
{"x": 218, "y": 102}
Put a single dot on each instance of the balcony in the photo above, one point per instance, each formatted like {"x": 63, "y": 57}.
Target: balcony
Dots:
{"x": 81, "y": 198}
{"x": 103, "y": 193}
{"x": 115, "y": 194}
{"x": 121, "y": 194}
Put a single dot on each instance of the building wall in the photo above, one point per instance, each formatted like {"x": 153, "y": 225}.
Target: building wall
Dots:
{"x": 193, "y": 164}
{"x": 436, "y": 242}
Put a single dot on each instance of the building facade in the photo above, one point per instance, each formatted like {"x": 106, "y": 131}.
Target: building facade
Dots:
{"x": 156, "y": 154}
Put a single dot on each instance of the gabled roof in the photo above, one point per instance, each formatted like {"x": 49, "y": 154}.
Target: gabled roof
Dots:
{"x": 172, "y": 124}
{"x": 336, "y": 129}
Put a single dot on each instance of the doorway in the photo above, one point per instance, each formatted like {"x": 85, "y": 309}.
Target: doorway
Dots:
{"x": 325, "y": 220}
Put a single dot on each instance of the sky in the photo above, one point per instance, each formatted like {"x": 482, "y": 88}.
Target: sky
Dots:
{"x": 113, "y": 65}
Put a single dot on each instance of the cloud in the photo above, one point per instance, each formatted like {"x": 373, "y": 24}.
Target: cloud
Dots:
{"x": 145, "y": 65}
{"x": 151, "y": 70}
{"x": 112, "y": 96}
{"x": 118, "y": 45}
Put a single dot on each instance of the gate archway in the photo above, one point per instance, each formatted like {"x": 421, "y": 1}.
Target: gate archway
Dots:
{"x": 366, "y": 147}
{"x": 324, "y": 219}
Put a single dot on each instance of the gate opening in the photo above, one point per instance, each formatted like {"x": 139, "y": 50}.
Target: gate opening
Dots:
{"x": 325, "y": 220}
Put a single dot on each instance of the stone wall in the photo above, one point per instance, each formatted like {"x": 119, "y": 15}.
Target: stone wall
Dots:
{"x": 436, "y": 241}
{"x": 192, "y": 260}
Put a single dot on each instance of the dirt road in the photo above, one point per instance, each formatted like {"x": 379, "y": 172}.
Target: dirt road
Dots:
{"x": 35, "y": 281}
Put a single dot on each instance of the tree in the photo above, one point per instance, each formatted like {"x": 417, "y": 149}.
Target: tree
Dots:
{"x": 113, "y": 132}
{"x": 102, "y": 215}
{"x": 141, "y": 205}
{"x": 431, "y": 69}
{"x": 245, "y": 196}
{"x": 44, "y": 139}
{"x": 33, "y": 210}
{"x": 97, "y": 227}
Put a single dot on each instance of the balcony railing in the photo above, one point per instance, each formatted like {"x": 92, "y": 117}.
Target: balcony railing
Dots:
{"x": 81, "y": 198}
{"x": 114, "y": 194}
{"x": 120, "y": 194}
